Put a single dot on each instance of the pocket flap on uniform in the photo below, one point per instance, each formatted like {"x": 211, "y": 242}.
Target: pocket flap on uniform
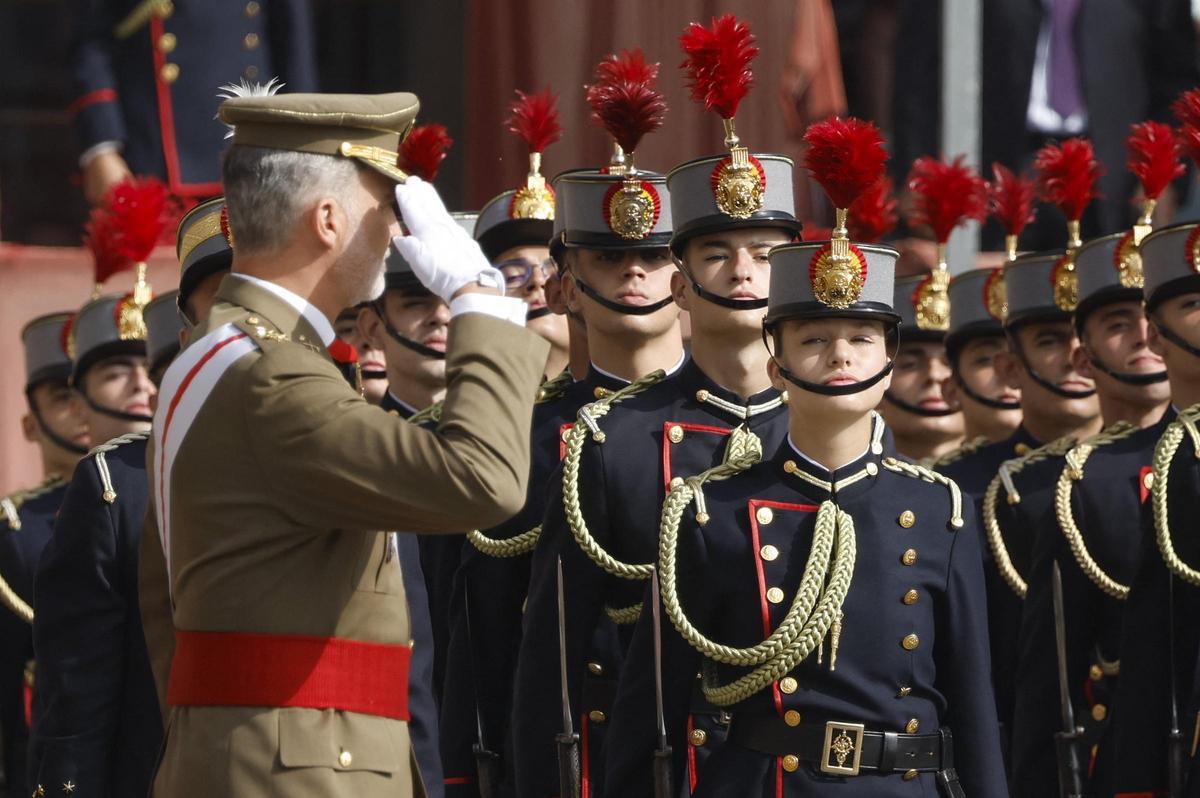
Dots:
{"x": 327, "y": 738}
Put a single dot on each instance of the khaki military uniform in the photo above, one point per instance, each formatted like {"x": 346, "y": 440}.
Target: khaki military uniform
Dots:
{"x": 277, "y": 493}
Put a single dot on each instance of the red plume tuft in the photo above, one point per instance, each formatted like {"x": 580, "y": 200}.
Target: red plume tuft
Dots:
{"x": 1153, "y": 156}
{"x": 624, "y": 100}
{"x": 141, "y": 212}
{"x": 846, "y": 156}
{"x": 718, "y": 63}
{"x": 1067, "y": 175}
{"x": 945, "y": 195}
{"x": 342, "y": 352}
{"x": 873, "y": 214}
{"x": 1010, "y": 199}
{"x": 423, "y": 151}
{"x": 535, "y": 119}
{"x": 101, "y": 238}
{"x": 811, "y": 231}
{"x": 1187, "y": 110}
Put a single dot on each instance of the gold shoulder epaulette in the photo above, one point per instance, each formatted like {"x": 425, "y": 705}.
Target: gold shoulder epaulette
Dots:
{"x": 11, "y": 504}
{"x": 991, "y": 523}
{"x": 432, "y": 413}
{"x": 917, "y": 471}
{"x": 1073, "y": 472}
{"x": 966, "y": 450}
{"x": 554, "y": 387}
{"x": 1164, "y": 454}
{"x": 98, "y": 458}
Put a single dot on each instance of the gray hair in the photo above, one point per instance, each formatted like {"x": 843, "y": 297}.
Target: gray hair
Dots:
{"x": 267, "y": 190}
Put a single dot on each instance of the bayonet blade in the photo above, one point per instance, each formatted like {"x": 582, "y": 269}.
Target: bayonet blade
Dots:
{"x": 568, "y": 727}
{"x": 658, "y": 681}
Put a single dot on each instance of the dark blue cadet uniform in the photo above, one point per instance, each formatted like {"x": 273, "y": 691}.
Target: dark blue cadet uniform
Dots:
{"x": 422, "y": 696}
{"x": 674, "y": 429}
{"x": 1105, "y": 507}
{"x": 97, "y": 727}
{"x": 911, "y": 654}
{"x": 1159, "y": 645}
{"x": 152, "y": 86}
{"x": 26, "y": 521}
{"x": 489, "y": 602}
{"x": 1016, "y": 525}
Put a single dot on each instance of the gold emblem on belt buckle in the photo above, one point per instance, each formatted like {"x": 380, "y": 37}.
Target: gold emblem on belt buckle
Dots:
{"x": 843, "y": 748}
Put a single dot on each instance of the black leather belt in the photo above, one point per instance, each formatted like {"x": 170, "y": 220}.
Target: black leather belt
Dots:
{"x": 843, "y": 749}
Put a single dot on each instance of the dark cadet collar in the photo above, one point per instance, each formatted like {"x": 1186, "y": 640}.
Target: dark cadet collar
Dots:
{"x": 391, "y": 404}
{"x": 694, "y": 384}
{"x": 793, "y": 467}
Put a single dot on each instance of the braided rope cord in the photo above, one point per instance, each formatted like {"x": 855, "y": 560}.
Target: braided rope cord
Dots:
{"x": 624, "y": 616}
{"x": 8, "y": 596}
{"x": 587, "y": 425}
{"x": 1073, "y": 472}
{"x": 949, "y": 458}
{"x": 525, "y": 542}
{"x": 432, "y": 413}
{"x": 991, "y": 524}
{"x": 97, "y": 454}
{"x": 1164, "y": 453}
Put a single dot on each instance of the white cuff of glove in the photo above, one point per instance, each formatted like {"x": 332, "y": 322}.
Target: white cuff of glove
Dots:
{"x": 509, "y": 308}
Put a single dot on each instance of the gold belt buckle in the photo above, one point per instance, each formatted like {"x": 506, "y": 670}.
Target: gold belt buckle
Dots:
{"x": 842, "y": 751}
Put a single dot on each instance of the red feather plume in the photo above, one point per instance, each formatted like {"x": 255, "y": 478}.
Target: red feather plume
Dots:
{"x": 342, "y": 352}
{"x": 846, "y": 156}
{"x": 624, "y": 100}
{"x": 1153, "y": 156}
{"x": 873, "y": 214}
{"x": 101, "y": 238}
{"x": 1187, "y": 110}
{"x": 1011, "y": 199}
{"x": 945, "y": 195}
{"x": 535, "y": 119}
{"x": 1067, "y": 175}
{"x": 141, "y": 212}
{"x": 423, "y": 151}
{"x": 718, "y": 63}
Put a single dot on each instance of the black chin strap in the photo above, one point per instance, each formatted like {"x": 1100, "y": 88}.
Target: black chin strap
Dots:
{"x": 1042, "y": 381}
{"x": 394, "y": 334}
{"x": 628, "y": 310}
{"x": 1124, "y": 376}
{"x": 916, "y": 410}
{"x": 373, "y": 375}
{"x": 833, "y": 390}
{"x": 724, "y": 301}
{"x": 538, "y": 313}
{"x": 52, "y": 436}
{"x": 1177, "y": 339}
{"x": 120, "y": 415}
{"x": 995, "y": 404}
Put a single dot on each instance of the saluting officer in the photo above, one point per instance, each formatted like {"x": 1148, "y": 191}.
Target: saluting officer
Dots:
{"x": 1152, "y": 733}
{"x": 145, "y": 72}
{"x": 1090, "y": 531}
{"x": 728, "y": 210}
{"x": 26, "y": 520}
{"x": 298, "y": 684}
{"x": 96, "y": 722}
{"x": 832, "y": 594}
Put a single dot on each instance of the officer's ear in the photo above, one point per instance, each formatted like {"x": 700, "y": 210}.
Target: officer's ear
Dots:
{"x": 1082, "y": 363}
{"x": 1153, "y": 339}
{"x": 29, "y": 428}
{"x": 950, "y": 392}
{"x": 1008, "y": 368}
{"x": 370, "y": 326}
{"x": 679, "y": 292}
{"x": 328, "y": 221}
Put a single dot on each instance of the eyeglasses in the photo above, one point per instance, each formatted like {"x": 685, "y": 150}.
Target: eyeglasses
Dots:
{"x": 519, "y": 271}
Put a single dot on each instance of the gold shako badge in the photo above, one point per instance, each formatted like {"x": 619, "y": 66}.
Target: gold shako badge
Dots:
{"x": 931, "y": 301}
{"x": 631, "y": 208}
{"x": 995, "y": 295}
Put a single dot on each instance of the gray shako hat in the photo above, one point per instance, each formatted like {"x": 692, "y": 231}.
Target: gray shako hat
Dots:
{"x": 203, "y": 244}
{"x": 45, "y": 342}
{"x": 611, "y": 211}
{"x": 978, "y": 305}
{"x": 106, "y": 326}
{"x": 164, "y": 321}
{"x": 817, "y": 279}
{"x": 1171, "y": 266}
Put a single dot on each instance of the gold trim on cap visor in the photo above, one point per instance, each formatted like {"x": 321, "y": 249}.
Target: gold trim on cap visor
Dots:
{"x": 200, "y": 231}
{"x": 376, "y": 157}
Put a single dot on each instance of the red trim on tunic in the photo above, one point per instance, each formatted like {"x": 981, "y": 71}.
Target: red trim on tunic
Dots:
{"x": 691, "y": 749}
{"x": 92, "y": 98}
{"x": 585, "y": 783}
{"x": 666, "y": 444}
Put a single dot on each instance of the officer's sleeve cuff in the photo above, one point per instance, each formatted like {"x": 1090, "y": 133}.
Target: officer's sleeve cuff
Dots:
{"x": 96, "y": 150}
{"x": 508, "y": 308}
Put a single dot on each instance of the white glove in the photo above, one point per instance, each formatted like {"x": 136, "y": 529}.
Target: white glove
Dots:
{"x": 441, "y": 254}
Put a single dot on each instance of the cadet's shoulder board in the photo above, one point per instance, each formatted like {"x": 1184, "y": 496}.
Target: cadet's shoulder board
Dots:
{"x": 97, "y": 456}
{"x": 554, "y": 387}
{"x": 949, "y": 458}
{"x": 11, "y": 504}
{"x": 916, "y": 471}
